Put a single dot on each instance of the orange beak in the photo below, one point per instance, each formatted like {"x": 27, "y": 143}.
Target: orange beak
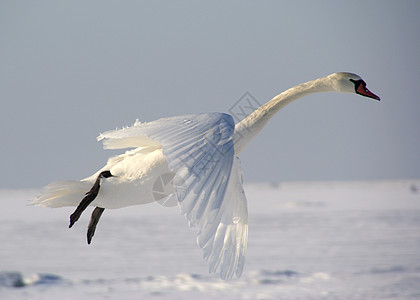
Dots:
{"x": 362, "y": 90}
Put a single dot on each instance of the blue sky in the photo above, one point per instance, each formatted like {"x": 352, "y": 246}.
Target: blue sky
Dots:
{"x": 70, "y": 70}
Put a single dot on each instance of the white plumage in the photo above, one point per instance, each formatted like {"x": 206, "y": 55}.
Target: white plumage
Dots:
{"x": 200, "y": 151}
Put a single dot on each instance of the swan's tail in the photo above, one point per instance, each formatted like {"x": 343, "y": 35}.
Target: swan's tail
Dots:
{"x": 62, "y": 193}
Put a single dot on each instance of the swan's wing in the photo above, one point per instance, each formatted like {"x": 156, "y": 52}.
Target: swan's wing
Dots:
{"x": 224, "y": 240}
{"x": 199, "y": 149}
{"x": 167, "y": 131}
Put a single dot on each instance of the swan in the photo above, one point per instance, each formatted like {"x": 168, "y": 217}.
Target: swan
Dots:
{"x": 195, "y": 158}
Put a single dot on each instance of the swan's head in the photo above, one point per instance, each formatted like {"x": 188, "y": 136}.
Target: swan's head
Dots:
{"x": 351, "y": 83}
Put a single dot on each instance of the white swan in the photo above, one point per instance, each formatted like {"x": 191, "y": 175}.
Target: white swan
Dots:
{"x": 196, "y": 156}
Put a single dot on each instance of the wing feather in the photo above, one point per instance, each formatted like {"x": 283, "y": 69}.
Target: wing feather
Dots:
{"x": 208, "y": 181}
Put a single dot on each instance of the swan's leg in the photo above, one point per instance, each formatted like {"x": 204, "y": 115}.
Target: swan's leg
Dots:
{"x": 90, "y": 196}
{"x": 94, "y": 219}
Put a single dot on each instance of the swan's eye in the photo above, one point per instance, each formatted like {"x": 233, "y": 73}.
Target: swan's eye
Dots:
{"x": 358, "y": 84}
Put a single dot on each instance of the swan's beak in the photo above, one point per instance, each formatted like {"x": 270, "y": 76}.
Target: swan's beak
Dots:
{"x": 362, "y": 90}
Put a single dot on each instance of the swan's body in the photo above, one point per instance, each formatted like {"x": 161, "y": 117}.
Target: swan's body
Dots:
{"x": 200, "y": 150}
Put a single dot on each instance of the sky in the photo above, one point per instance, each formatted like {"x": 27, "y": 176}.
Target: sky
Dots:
{"x": 72, "y": 69}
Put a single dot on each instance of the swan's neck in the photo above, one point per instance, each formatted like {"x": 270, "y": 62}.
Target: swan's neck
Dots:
{"x": 248, "y": 128}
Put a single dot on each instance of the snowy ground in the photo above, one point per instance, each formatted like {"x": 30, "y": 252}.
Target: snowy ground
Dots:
{"x": 320, "y": 240}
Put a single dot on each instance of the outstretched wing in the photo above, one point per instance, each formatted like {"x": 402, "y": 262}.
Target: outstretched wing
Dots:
{"x": 208, "y": 186}
{"x": 224, "y": 241}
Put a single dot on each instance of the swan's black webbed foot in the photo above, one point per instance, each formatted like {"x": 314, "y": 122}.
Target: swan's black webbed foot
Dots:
{"x": 94, "y": 219}
{"x": 90, "y": 196}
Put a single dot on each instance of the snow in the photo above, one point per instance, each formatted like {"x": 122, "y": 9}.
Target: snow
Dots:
{"x": 317, "y": 240}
